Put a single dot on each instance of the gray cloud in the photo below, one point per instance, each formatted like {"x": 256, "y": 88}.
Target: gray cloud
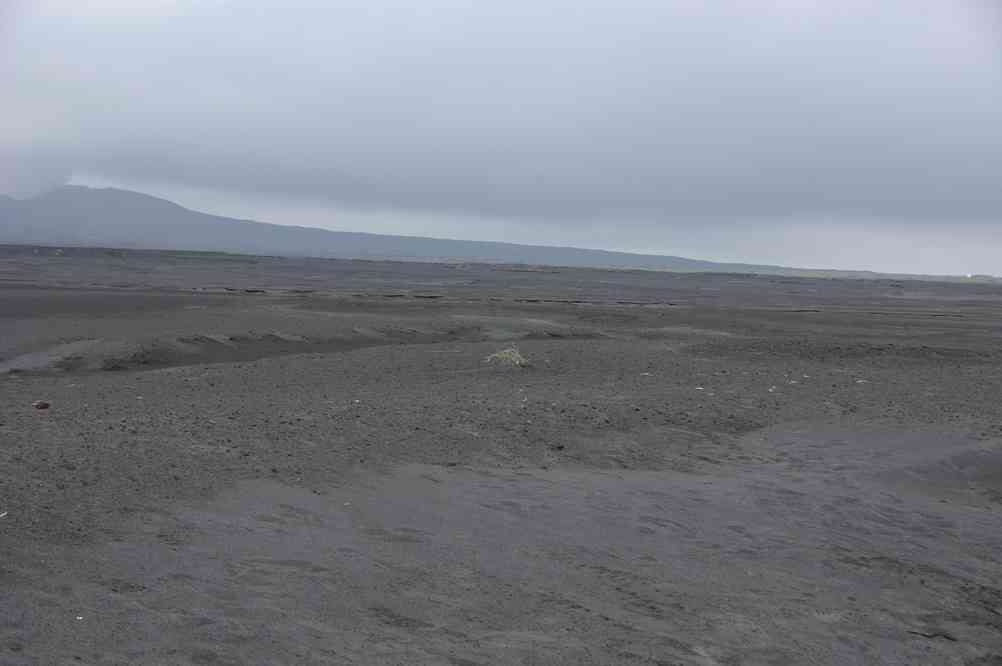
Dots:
{"x": 24, "y": 174}
{"x": 552, "y": 110}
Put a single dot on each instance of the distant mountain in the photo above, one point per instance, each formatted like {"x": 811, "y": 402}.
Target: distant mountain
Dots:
{"x": 83, "y": 216}
{"x": 110, "y": 217}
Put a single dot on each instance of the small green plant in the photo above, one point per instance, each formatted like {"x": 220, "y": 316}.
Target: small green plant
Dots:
{"x": 510, "y": 356}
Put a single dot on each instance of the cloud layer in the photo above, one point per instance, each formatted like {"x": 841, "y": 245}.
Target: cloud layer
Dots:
{"x": 680, "y": 113}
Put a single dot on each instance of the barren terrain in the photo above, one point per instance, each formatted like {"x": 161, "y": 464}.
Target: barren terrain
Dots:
{"x": 292, "y": 461}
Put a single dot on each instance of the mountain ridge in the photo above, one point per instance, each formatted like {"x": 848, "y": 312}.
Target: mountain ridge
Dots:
{"x": 91, "y": 216}
{"x": 110, "y": 217}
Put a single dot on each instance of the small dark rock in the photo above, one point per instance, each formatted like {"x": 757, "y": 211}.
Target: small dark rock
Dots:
{"x": 41, "y": 404}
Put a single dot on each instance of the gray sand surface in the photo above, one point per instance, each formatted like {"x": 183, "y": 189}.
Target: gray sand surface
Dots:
{"x": 278, "y": 461}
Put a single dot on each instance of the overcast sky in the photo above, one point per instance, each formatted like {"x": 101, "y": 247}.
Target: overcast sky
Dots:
{"x": 844, "y": 134}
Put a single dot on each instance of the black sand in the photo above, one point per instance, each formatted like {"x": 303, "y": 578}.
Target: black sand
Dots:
{"x": 300, "y": 461}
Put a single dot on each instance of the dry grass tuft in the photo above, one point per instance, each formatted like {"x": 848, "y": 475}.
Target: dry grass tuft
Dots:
{"x": 510, "y": 356}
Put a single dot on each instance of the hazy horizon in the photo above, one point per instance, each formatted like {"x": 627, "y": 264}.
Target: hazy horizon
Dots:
{"x": 858, "y": 137}
{"x": 104, "y": 222}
